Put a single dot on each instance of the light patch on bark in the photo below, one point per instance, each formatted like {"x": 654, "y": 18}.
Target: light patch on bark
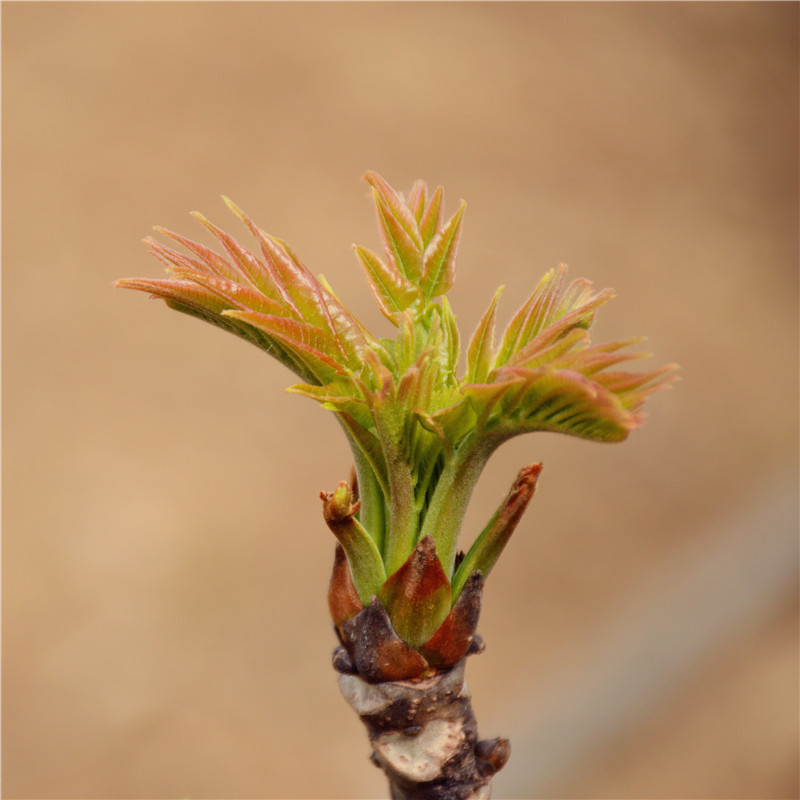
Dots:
{"x": 363, "y": 697}
{"x": 424, "y": 736}
{"x": 422, "y": 757}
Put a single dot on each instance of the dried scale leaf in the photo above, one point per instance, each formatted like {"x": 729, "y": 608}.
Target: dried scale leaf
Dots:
{"x": 378, "y": 653}
{"x": 424, "y": 736}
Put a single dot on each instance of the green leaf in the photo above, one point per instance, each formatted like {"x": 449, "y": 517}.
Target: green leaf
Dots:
{"x": 371, "y": 490}
{"x": 561, "y": 401}
{"x": 439, "y": 268}
{"x": 485, "y": 398}
{"x": 417, "y": 596}
{"x": 632, "y": 389}
{"x": 405, "y": 347}
{"x": 370, "y": 446}
{"x": 431, "y": 221}
{"x": 366, "y": 565}
{"x": 417, "y": 199}
{"x": 576, "y": 321}
{"x": 430, "y": 424}
{"x": 546, "y": 316}
{"x": 182, "y": 291}
{"x": 592, "y": 359}
{"x": 552, "y": 350}
{"x": 455, "y": 420}
{"x": 301, "y": 332}
{"x": 480, "y": 352}
{"x": 254, "y": 271}
{"x": 420, "y": 436}
{"x": 347, "y": 327}
{"x": 208, "y": 258}
{"x": 311, "y": 345}
{"x": 399, "y": 230}
{"x": 301, "y": 291}
{"x": 176, "y": 261}
{"x": 390, "y": 424}
{"x": 337, "y": 397}
{"x": 248, "y": 332}
{"x": 236, "y": 294}
{"x": 391, "y": 289}
{"x": 486, "y": 549}
{"x": 395, "y": 204}
{"x": 452, "y": 342}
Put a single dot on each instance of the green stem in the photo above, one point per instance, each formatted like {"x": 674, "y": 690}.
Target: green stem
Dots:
{"x": 403, "y": 519}
{"x": 452, "y": 494}
{"x": 372, "y": 514}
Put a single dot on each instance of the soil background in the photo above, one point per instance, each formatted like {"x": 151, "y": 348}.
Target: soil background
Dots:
{"x": 165, "y": 563}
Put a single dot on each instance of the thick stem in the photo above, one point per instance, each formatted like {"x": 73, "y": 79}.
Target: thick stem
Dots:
{"x": 424, "y": 736}
{"x": 372, "y": 515}
{"x": 450, "y": 499}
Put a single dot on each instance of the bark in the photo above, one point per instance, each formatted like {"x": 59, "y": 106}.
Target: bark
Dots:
{"x": 423, "y": 733}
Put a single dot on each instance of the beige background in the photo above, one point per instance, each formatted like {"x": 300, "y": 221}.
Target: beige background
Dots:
{"x": 164, "y": 559}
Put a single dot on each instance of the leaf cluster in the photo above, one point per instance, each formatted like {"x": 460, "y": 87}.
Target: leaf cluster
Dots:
{"x": 421, "y": 429}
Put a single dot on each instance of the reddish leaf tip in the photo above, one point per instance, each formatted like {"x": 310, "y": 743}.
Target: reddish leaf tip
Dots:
{"x": 417, "y": 596}
{"x": 338, "y": 506}
{"x": 452, "y": 639}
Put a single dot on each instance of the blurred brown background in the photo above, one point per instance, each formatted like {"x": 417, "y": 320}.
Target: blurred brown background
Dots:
{"x": 165, "y": 631}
